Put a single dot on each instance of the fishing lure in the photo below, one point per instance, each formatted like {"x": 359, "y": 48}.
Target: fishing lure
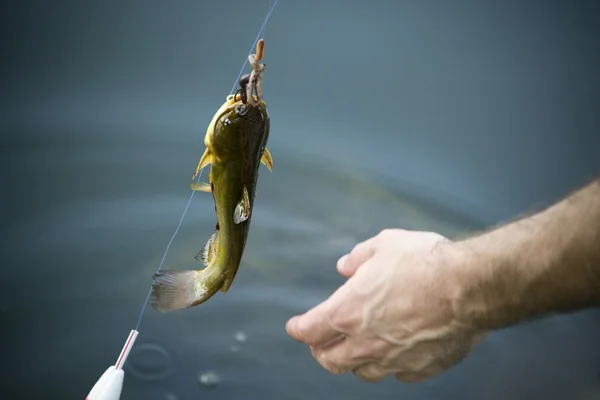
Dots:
{"x": 236, "y": 141}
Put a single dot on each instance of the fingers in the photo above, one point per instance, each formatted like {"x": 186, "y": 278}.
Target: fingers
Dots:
{"x": 410, "y": 375}
{"x": 362, "y": 252}
{"x": 341, "y": 356}
{"x": 345, "y": 356}
{"x": 371, "y": 373}
{"x": 335, "y": 358}
{"x": 314, "y": 327}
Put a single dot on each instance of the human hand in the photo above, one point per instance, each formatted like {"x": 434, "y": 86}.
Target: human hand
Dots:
{"x": 395, "y": 314}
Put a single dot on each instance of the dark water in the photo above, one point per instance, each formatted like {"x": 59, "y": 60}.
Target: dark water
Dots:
{"x": 82, "y": 263}
{"x": 459, "y": 108}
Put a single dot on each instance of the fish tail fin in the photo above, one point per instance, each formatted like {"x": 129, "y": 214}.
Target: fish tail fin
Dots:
{"x": 174, "y": 290}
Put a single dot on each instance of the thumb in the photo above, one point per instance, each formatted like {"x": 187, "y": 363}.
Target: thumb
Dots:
{"x": 314, "y": 327}
{"x": 361, "y": 253}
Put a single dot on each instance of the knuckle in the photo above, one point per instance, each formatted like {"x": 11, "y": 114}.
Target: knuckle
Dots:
{"x": 334, "y": 370}
{"x": 356, "y": 249}
{"x": 342, "y": 321}
{"x": 326, "y": 362}
{"x": 434, "y": 236}
{"x": 385, "y": 233}
{"x": 370, "y": 373}
{"x": 347, "y": 318}
{"x": 419, "y": 363}
{"x": 390, "y": 234}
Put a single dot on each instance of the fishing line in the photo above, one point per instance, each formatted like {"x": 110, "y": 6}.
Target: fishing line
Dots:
{"x": 187, "y": 206}
{"x": 110, "y": 384}
{"x": 262, "y": 28}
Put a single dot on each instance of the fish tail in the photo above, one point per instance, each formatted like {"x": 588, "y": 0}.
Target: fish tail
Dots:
{"x": 174, "y": 290}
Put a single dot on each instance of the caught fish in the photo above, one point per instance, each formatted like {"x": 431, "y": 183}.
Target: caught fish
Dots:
{"x": 236, "y": 141}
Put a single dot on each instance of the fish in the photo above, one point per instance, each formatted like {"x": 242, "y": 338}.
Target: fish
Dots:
{"x": 236, "y": 145}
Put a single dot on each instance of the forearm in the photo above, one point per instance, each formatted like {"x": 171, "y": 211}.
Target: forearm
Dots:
{"x": 545, "y": 263}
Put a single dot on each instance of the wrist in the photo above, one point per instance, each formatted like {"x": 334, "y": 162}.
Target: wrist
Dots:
{"x": 464, "y": 282}
{"x": 492, "y": 285}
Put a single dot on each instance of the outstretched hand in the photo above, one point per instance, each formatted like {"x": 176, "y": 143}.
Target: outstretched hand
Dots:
{"x": 395, "y": 313}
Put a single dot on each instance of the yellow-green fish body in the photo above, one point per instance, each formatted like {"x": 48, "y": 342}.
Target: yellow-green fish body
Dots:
{"x": 235, "y": 142}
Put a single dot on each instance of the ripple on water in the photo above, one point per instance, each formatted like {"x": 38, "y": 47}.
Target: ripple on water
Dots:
{"x": 241, "y": 337}
{"x": 149, "y": 362}
{"x": 209, "y": 379}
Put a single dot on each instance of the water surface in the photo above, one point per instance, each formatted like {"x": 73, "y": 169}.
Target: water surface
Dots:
{"x": 487, "y": 108}
{"x": 82, "y": 259}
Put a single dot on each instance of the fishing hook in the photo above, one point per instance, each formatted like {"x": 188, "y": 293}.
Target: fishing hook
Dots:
{"x": 242, "y": 89}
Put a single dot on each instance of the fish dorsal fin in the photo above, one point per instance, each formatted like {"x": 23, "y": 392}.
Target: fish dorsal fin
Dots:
{"x": 242, "y": 210}
{"x": 267, "y": 159}
{"x": 204, "y": 161}
{"x": 201, "y": 186}
{"x": 209, "y": 251}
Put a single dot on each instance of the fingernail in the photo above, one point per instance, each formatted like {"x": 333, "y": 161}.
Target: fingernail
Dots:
{"x": 342, "y": 262}
{"x": 291, "y": 324}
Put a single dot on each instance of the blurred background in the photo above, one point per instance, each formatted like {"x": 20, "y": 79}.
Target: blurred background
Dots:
{"x": 446, "y": 116}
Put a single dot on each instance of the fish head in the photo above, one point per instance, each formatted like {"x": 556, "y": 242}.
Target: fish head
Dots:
{"x": 239, "y": 127}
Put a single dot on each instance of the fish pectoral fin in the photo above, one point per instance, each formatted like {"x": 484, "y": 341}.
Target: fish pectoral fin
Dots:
{"x": 209, "y": 251}
{"x": 173, "y": 290}
{"x": 201, "y": 186}
{"x": 206, "y": 159}
{"x": 242, "y": 210}
{"x": 267, "y": 159}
